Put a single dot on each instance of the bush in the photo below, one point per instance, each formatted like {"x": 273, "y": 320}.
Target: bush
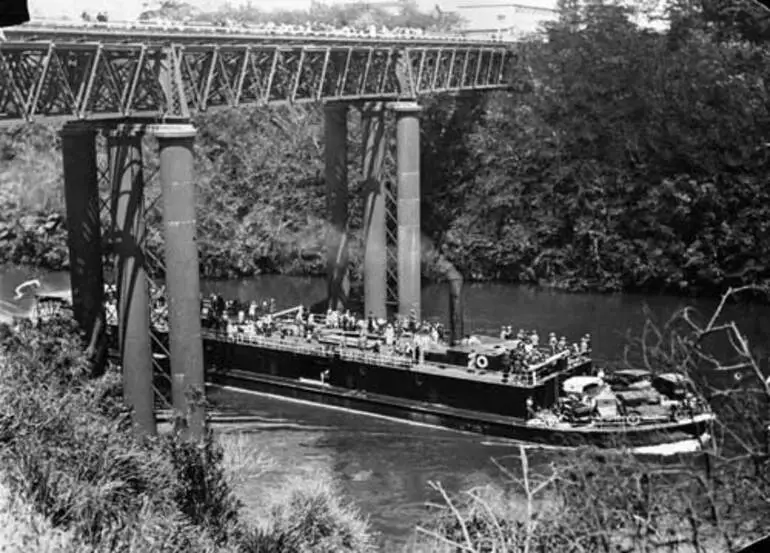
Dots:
{"x": 312, "y": 517}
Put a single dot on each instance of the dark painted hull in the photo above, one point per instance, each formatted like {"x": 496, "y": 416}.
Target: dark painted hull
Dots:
{"x": 479, "y": 407}
{"x": 460, "y": 419}
{"x": 488, "y": 409}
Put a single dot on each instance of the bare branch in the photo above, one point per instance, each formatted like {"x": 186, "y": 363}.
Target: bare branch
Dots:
{"x": 439, "y": 488}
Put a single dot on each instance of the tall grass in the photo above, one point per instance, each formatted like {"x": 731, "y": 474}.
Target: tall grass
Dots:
{"x": 312, "y": 516}
{"x": 68, "y": 451}
{"x": 24, "y": 530}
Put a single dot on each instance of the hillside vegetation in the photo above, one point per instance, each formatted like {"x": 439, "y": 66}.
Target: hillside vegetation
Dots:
{"x": 625, "y": 159}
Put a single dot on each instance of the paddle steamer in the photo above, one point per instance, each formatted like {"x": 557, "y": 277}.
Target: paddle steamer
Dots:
{"x": 510, "y": 388}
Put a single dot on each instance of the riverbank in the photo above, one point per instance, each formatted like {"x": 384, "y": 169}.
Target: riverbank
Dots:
{"x": 70, "y": 458}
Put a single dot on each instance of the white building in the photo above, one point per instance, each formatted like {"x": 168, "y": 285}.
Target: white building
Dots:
{"x": 513, "y": 19}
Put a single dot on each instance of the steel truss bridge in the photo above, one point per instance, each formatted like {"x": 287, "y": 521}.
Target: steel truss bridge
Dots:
{"x": 119, "y": 88}
{"x": 93, "y": 73}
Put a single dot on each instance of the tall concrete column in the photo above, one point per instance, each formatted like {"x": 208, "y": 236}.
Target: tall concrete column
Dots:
{"x": 408, "y": 169}
{"x": 81, "y": 196}
{"x": 182, "y": 274}
{"x": 336, "y": 176}
{"x": 375, "y": 245}
{"x": 125, "y": 155}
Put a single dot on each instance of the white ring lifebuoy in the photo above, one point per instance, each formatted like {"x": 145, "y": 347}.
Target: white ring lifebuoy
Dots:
{"x": 633, "y": 419}
{"x": 482, "y": 362}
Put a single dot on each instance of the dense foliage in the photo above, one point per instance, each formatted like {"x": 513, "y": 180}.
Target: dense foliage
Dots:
{"x": 68, "y": 449}
{"x": 625, "y": 159}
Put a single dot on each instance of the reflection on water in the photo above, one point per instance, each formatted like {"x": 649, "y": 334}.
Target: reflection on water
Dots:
{"x": 384, "y": 465}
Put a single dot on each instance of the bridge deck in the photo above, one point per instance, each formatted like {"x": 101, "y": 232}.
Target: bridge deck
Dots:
{"x": 148, "y": 32}
{"x": 103, "y": 73}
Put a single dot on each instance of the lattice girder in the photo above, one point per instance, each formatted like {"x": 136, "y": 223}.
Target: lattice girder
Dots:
{"x": 74, "y": 80}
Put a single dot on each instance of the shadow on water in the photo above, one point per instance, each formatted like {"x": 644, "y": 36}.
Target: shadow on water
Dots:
{"x": 384, "y": 466}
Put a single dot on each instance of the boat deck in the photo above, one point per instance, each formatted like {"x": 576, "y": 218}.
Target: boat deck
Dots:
{"x": 534, "y": 377}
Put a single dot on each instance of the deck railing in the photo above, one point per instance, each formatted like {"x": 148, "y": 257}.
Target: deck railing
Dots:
{"x": 273, "y": 343}
{"x": 531, "y": 377}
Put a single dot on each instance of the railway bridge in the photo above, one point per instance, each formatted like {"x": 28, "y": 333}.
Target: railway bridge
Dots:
{"x": 112, "y": 84}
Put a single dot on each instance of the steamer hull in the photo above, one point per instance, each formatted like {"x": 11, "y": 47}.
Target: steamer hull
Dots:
{"x": 406, "y": 393}
{"x": 440, "y": 391}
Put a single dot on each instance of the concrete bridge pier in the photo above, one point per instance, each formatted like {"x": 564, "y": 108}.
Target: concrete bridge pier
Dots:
{"x": 81, "y": 195}
{"x": 408, "y": 206}
{"x": 375, "y": 244}
{"x": 336, "y": 176}
{"x": 182, "y": 273}
{"x": 124, "y": 145}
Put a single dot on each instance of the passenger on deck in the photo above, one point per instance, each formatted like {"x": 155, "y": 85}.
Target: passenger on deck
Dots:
{"x": 552, "y": 342}
{"x": 530, "y": 407}
{"x": 505, "y": 364}
{"x": 390, "y": 335}
{"x": 413, "y": 322}
{"x": 585, "y": 343}
{"x": 534, "y": 338}
{"x": 562, "y": 346}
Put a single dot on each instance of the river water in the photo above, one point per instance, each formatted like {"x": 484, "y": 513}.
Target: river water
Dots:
{"x": 385, "y": 466}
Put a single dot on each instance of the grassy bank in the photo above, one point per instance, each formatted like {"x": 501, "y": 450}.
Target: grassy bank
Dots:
{"x": 70, "y": 460}
{"x": 24, "y": 530}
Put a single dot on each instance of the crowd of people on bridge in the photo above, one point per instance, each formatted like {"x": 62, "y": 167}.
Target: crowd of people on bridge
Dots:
{"x": 314, "y": 29}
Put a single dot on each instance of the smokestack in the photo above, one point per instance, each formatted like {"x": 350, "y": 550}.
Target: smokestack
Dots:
{"x": 456, "y": 307}
{"x": 455, "y": 279}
